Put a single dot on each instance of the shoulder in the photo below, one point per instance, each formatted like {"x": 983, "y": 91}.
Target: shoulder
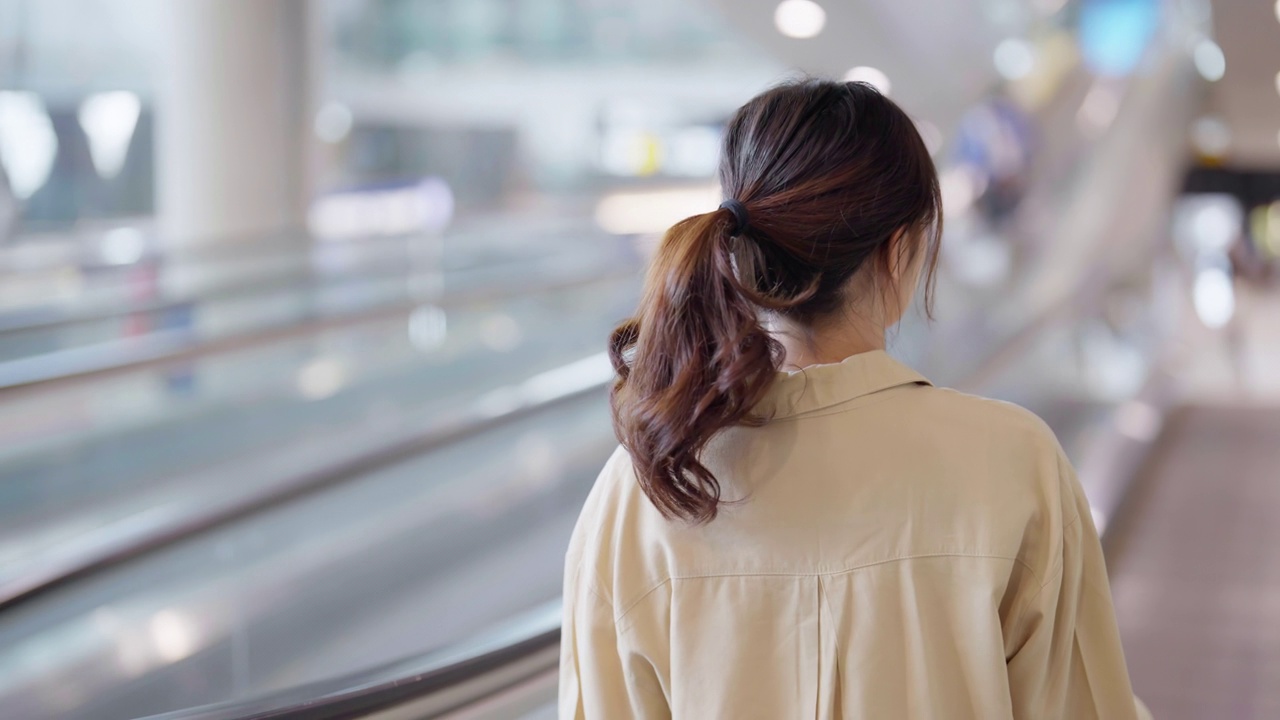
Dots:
{"x": 983, "y": 428}
{"x": 998, "y": 446}
{"x": 997, "y": 425}
{"x": 983, "y": 414}
{"x": 607, "y": 539}
{"x": 615, "y": 489}
{"x": 1022, "y": 458}
{"x": 602, "y": 506}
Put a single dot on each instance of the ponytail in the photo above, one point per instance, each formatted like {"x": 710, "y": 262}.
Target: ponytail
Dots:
{"x": 832, "y": 172}
{"x": 692, "y": 362}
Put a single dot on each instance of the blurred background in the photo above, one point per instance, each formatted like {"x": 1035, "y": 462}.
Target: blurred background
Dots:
{"x": 303, "y": 307}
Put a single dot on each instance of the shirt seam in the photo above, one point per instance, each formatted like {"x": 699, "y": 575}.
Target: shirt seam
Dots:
{"x": 842, "y": 571}
{"x": 823, "y": 597}
{"x": 1054, "y": 572}
{"x": 591, "y": 588}
{"x": 1066, "y": 474}
{"x": 1071, "y": 522}
{"x": 586, "y": 575}
{"x": 617, "y": 621}
{"x": 829, "y": 573}
{"x": 1056, "y": 568}
{"x": 856, "y": 402}
{"x": 1034, "y": 596}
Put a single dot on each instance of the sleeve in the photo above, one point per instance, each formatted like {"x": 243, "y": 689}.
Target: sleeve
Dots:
{"x": 599, "y": 680}
{"x": 1067, "y": 661}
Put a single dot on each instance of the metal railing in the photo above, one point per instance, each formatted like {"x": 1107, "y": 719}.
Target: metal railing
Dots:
{"x": 114, "y": 544}
{"x": 428, "y": 686}
{"x": 301, "y": 275}
{"x": 167, "y": 347}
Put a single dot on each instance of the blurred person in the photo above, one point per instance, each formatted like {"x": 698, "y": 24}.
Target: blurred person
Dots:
{"x": 796, "y": 525}
{"x": 1252, "y": 278}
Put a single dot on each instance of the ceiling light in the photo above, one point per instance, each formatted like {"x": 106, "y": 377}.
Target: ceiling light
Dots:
{"x": 871, "y": 76}
{"x": 1014, "y": 59}
{"x": 1210, "y": 61}
{"x": 1278, "y": 10}
{"x": 28, "y": 144}
{"x": 799, "y": 18}
{"x": 108, "y": 120}
{"x": 1278, "y": 82}
{"x": 641, "y": 212}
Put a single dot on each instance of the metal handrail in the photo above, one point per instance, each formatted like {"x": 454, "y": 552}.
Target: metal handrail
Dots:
{"x": 420, "y": 677}
{"x": 533, "y": 395}
{"x": 42, "y": 318}
{"x": 177, "y": 346}
{"x": 45, "y": 318}
{"x": 240, "y": 246}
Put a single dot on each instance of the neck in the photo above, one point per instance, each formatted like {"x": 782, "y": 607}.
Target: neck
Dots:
{"x": 829, "y": 343}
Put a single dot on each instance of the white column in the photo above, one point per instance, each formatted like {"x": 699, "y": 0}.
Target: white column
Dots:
{"x": 233, "y": 141}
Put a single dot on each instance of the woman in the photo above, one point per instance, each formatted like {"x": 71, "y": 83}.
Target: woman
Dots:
{"x": 797, "y": 526}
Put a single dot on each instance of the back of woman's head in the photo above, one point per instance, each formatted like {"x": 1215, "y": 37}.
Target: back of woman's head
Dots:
{"x": 828, "y": 186}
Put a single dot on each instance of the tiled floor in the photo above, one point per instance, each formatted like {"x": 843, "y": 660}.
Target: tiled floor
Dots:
{"x": 1195, "y": 553}
{"x": 1196, "y": 570}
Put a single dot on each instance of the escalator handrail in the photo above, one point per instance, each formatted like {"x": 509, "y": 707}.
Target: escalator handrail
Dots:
{"x": 86, "y": 253}
{"x": 297, "y": 246}
{"x": 43, "y": 318}
{"x": 535, "y": 648}
{"x": 530, "y": 397}
{"x": 308, "y": 278}
{"x": 175, "y": 346}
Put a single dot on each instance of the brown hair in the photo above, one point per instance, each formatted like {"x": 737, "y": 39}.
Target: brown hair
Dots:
{"x": 827, "y": 174}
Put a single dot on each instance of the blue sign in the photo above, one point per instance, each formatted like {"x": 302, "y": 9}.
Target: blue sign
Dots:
{"x": 1114, "y": 34}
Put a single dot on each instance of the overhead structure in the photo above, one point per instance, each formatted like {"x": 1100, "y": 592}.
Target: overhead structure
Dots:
{"x": 935, "y": 56}
{"x": 234, "y": 119}
{"x": 1245, "y": 100}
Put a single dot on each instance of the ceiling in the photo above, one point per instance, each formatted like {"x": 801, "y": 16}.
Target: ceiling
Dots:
{"x": 936, "y": 54}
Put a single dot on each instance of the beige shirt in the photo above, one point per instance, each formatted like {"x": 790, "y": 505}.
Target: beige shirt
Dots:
{"x": 897, "y": 551}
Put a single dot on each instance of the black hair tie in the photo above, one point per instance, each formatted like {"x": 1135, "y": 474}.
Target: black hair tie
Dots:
{"x": 739, "y": 215}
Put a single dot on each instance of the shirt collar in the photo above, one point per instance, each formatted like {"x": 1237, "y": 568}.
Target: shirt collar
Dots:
{"x": 821, "y": 386}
